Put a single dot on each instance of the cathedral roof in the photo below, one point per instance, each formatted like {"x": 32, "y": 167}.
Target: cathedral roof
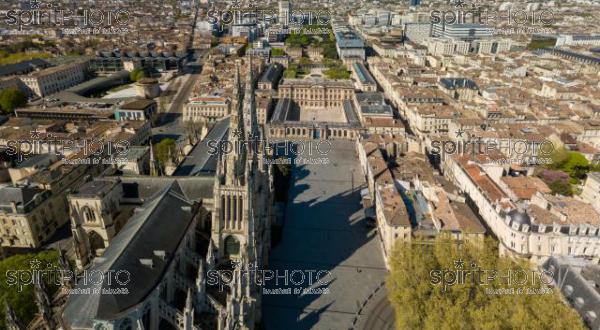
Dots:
{"x": 144, "y": 187}
{"x": 201, "y": 161}
{"x": 153, "y": 234}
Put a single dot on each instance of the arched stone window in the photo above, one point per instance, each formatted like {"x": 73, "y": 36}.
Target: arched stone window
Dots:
{"x": 96, "y": 241}
{"x": 88, "y": 214}
{"x": 232, "y": 246}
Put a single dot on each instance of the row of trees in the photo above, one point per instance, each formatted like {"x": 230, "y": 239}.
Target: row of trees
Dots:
{"x": 326, "y": 43}
{"x": 421, "y": 302}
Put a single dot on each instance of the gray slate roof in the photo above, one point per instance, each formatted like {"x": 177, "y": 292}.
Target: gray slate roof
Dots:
{"x": 159, "y": 225}
{"x": 200, "y": 161}
{"x": 578, "y": 281}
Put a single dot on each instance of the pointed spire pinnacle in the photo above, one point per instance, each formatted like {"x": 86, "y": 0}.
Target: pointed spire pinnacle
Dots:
{"x": 62, "y": 260}
{"x": 188, "y": 301}
{"x": 188, "y": 313}
{"x": 43, "y": 302}
{"x": 200, "y": 276}
{"x": 153, "y": 171}
{"x": 65, "y": 268}
{"x": 210, "y": 257}
{"x": 11, "y": 321}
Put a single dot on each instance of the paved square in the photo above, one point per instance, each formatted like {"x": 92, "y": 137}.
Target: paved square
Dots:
{"x": 332, "y": 115}
{"x": 324, "y": 230}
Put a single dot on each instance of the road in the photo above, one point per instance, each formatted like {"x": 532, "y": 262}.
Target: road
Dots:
{"x": 171, "y": 123}
{"x": 379, "y": 314}
{"x": 325, "y": 230}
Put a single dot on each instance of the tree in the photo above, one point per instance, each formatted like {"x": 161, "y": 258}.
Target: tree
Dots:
{"x": 330, "y": 52}
{"x": 559, "y": 187}
{"x": 543, "y": 43}
{"x": 166, "y": 149}
{"x": 426, "y": 296}
{"x": 337, "y": 73}
{"x": 577, "y": 165}
{"x": 305, "y": 61}
{"x": 214, "y": 41}
{"x": 559, "y": 157}
{"x": 298, "y": 40}
{"x": 21, "y": 298}
{"x": 573, "y": 163}
{"x": 277, "y": 52}
{"x": 137, "y": 74}
{"x": 12, "y": 98}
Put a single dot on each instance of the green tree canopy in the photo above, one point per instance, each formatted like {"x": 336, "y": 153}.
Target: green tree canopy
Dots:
{"x": 330, "y": 52}
{"x": 298, "y": 40}
{"x": 338, "y": 72}
{"x": 571, "y": 162}
{"x": 12, "y": 98}
{"x": 561, "y": 188}
{"x": 577, "y": 165}
{"x": 422, "y": 301}
{"x": 164, "y": 149}
{"x": 137, "y": 74}
{"x": 277, "y": 52}
{"x": 21, "y": 298}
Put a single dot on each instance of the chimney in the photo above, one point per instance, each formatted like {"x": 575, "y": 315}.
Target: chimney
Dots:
{"x": 161, "y": 254}
{"x": 147, "y": 262}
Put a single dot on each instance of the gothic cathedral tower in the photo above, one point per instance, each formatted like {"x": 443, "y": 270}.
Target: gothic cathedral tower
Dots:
{"x": 240, "y": 223}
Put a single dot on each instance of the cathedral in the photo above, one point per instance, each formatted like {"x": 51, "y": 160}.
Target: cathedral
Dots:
{"x": 155, "y": 252}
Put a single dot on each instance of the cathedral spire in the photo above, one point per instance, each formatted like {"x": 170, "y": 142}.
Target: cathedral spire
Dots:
{"x": 11, "y": 321}
{"x": 153, "y": 171}
{"x": 200, "y": 288}
{"x": 44, "y": 304}
{"x": 67, "y": 275}
{"x": 233, "y": 167}
{"x": 188, "y": 313}
{"x": 210, "y": 255}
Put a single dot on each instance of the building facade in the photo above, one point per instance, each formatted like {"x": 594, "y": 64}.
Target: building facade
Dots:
{"x": 206, "y": 109}
{"x": 317, "y": 93}
{"x": 56, "y": 79}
